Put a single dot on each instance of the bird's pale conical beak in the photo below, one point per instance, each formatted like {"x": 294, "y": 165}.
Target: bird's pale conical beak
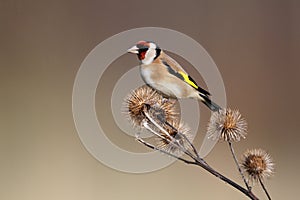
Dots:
{"x": 133, "y": 49}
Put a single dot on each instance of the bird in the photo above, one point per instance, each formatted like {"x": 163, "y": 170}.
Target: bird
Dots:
{"x": 165, "y": 75}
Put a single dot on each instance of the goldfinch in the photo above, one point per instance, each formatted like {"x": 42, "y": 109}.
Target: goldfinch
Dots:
{"x": 164, "y": 74}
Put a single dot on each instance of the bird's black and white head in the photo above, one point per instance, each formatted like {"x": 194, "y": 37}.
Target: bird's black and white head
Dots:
{"x": 146, "y": 51}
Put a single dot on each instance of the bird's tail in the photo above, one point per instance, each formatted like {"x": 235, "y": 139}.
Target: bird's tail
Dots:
{"x": 209, "y": 103}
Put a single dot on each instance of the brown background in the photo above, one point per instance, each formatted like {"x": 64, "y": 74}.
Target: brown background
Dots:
{"x": 42, "y": 44}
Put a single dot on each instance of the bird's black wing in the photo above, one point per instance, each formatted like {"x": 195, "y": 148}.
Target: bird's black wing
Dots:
{"x": 186, "y": 78}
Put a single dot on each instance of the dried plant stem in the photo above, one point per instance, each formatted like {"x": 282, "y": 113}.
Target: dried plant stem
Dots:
{"x": 146, "y": 125}
{"x": 163, "y": 151}
{"x": 201, "y": 163}
{"x": 195, "y": 159}
{"x": 162, "y": 137}
{"x": 264, "y": 188}
{"x": 238, "y": 166}
{"x": 189, "y": 142}
{"x": 173, "y": 141}
{"x": 226, "y": 180}
{"x": 155, "y": 123}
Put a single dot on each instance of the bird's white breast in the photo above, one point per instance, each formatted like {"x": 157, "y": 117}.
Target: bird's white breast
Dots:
{"x": 146, "y": 74}
{"x": 160, "y": 83}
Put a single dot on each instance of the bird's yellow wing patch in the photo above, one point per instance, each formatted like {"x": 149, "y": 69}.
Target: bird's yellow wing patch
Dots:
{"x": 188, "y": 79}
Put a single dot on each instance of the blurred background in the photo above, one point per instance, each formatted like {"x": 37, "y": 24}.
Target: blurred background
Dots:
{"x": 255, "y": 45}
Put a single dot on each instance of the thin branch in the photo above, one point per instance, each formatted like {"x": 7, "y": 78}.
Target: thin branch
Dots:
{"x": 173, "y": 141}
{"x": 238, "y": 166}
{"x": 191, "y": 144}
{"x": 197, "y": 160}
{"x": 226, "y": 180}
{"x": 156, "y": 124}
{"x": 146, "y": 125}
{"x": 201, "y": 163}
{"x": 163, "y": 151}
{"x": 177, "y": 144}
{"x": 264, "y": 188}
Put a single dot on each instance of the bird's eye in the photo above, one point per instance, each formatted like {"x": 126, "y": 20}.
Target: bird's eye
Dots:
{"x": 143, "y": 49}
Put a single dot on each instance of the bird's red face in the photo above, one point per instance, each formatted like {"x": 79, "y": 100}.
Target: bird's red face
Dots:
{"x": 146, "y": 51}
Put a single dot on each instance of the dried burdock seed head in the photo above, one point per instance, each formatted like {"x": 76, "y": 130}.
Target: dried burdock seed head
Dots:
{"x": 147, "y": 99}
{"x": 176, "y": 134}
{"x": 257, "y": 164}
{"x": 227, "y": 125}
{"x": 164, "y": 110}
{"x": 136, "y": 102}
